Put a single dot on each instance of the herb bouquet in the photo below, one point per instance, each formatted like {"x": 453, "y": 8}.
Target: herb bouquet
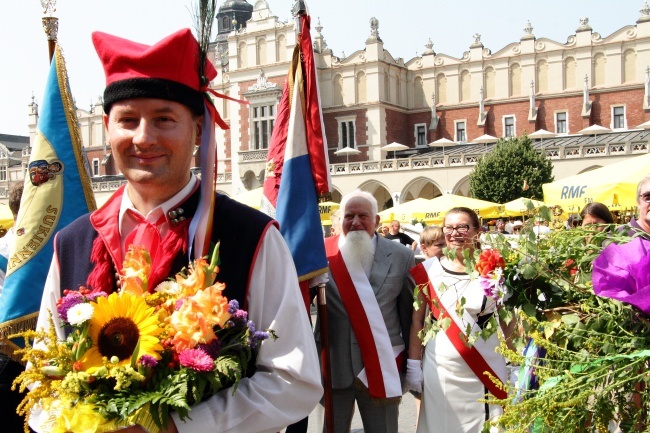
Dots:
{"x": 593, "y": 376}
{"x": 132, "y": 356}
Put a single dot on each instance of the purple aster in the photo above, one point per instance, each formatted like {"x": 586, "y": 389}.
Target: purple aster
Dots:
{"x": 258, "y": 337}
{"x": 67, "y": 302}
{"x": 196, "y": 359}
{"x": 233, "y": 306}
{"x": 148, "y": 361}
{"x": 92, "y": 297}
{"x": 212, "y": 348}
{"x": 239, "y": 315}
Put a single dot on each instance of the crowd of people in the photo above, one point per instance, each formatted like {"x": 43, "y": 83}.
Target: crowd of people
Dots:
{"x": 154, "y": 106}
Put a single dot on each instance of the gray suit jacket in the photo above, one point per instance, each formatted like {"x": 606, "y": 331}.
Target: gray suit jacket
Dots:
{"x": 393, "y": 286}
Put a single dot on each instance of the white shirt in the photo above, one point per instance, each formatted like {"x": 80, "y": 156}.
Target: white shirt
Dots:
{"x": 287, "y": 383}
{"x": 6, "y": 245}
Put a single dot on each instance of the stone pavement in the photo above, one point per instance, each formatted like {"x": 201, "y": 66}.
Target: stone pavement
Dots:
{"x": 407, "y": 418}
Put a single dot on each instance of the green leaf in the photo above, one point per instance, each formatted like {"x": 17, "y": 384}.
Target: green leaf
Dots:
{"x": 570, "y": 319}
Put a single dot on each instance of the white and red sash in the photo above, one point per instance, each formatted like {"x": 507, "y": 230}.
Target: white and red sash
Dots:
{"x": 380, "y": 359}
{"x": 422, "y": 274}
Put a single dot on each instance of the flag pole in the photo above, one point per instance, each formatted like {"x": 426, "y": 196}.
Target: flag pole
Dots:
{"x": 300, "y": 9}
{"x": 50, "y": 25}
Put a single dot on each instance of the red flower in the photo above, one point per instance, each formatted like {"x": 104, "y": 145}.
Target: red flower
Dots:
{"x": 488, "y": 261}
{"x": 570, "y": 264}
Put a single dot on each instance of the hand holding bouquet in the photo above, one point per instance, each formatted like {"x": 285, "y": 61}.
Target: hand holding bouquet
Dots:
{"x": 132, "y": 356}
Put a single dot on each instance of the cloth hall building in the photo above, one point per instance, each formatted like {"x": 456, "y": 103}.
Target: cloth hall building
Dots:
{"x": 372, "y": 98}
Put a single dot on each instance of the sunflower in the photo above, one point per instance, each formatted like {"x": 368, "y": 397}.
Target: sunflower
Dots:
{"x": 119, "y": 322}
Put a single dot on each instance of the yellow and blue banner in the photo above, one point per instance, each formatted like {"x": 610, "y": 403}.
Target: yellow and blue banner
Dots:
{"x": 57, "y": 190}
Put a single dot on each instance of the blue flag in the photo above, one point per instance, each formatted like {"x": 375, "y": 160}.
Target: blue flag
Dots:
{"x": 57, "y": 190}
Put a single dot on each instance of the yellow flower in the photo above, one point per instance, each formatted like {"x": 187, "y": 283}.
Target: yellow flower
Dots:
{"x": 136, "y": 270}
{"x": 80, "y": 418}
{"x": 193, "y": 322}
{"x": 120, "y": 322}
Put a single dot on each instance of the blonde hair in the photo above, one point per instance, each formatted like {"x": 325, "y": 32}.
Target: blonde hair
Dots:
{"x": 430, "y": 235}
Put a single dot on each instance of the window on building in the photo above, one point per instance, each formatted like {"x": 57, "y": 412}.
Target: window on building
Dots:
{"x": 95, "y": 166}
{"x": 560, "y": 123}
{"x": 263, "y": 118}
{"x": 460, "y": 137}
{"x": 421, "y": 134}
{"x": 3, "y": 172}
{"x": 509, "y": 126}
{"x": 346, "y": 134}
{"x": 618, "y": 117}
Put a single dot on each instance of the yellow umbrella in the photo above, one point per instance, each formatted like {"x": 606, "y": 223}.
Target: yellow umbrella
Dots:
{"x": 614, "y": 186}
{"x": 252, "y": 198}
{"x": 326, "y": 208}
{"x": 403, "y": 212}
{"x": 6, "y": 219}
{"x": 519, "y": 206}
{"x": 433, "y": 211}
{"x": 441, "y": 204}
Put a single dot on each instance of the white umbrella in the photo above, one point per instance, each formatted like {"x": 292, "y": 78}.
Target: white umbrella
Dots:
{"x": 485, "y": 139}
{"x": 542, "y": 134}
{"x": 443, "y": 142}
{"x": 393, "y": 147}
{"x": 594, "y": 130}
{"x": 347, "y": 151}
{"x": 644, "y": 125}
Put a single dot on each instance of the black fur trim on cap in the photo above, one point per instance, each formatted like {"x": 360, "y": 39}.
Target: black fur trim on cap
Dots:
{"x": 133, "y": 88}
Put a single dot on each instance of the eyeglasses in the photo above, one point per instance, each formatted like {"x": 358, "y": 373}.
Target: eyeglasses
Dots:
{"x": 645, "y": 197}
{"x": 516, "y": 229}
{"x": 460, "y": 229}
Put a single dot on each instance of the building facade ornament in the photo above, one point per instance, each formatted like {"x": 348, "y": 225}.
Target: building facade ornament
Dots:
{"x": 528, "y": 32}
{"x": 429, "y": 48}
{"x": 584, "y": 25}
{"x": 586, "y": 103}
{"x": 477, "y": 41}
{"x": 262, "y": 83}
{"x": 374, "y": 30}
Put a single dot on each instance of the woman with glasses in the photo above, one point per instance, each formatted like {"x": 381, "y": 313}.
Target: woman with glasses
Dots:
{"x": 452, "y": 378}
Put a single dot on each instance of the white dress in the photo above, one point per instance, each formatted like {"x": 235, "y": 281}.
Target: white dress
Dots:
{"x": 451, "y": 389}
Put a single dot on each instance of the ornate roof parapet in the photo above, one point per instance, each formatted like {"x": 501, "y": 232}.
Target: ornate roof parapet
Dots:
{"x": 645, "y": 13}
{"x": 320, "y": 45}
{"x": 528, "y": 32}
{"x": 584, "y": 25}
{"x": 477, "y": 41}
{"x": 429, "y": 49}
{"x": 374, "y": 31}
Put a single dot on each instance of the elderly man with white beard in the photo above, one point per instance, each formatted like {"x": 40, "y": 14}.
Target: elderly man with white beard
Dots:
{"x": 369, "y": 307}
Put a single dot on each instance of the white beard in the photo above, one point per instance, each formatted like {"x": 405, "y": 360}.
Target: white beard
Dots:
{"x": 357, "y": 249}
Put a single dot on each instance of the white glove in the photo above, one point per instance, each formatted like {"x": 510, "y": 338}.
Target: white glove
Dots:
{"x": 319, "y": 279}
{"x": 414, "y": 377}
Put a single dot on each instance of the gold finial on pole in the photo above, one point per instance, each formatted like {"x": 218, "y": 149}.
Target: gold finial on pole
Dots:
{"x": 50, "y": 24}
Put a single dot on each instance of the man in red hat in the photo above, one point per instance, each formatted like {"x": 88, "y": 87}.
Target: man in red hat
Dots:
{"x": 156, "y": 112}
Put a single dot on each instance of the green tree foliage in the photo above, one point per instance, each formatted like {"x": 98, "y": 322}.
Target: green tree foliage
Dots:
{"x": 511, "y": 170}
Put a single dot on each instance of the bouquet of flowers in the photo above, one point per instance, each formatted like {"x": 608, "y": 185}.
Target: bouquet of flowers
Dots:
{"x": 132, "y": 356}
{"x": 593, "y": 375}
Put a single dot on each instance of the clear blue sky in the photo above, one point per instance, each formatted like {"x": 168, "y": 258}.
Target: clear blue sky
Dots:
{"x": 404, "y": 26}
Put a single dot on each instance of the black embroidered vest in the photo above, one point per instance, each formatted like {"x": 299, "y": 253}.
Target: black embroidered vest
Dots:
{"x": 238, "y": 227}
